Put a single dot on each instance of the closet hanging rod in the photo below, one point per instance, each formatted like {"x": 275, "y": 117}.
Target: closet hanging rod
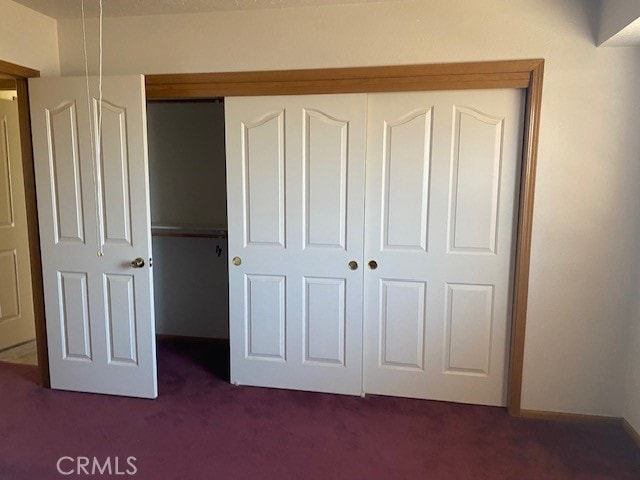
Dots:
{"x": 171, "y": 231}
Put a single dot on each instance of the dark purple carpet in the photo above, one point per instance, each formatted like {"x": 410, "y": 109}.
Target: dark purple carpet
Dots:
{"x": 203, "y": 428}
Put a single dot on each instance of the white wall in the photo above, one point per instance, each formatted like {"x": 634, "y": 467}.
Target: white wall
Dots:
{"x": 586, "y": 224}
{"x": 28, "y": 38}
{"x": 615, "y": 15}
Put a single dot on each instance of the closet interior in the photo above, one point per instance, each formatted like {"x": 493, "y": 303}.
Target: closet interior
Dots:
{"x": 189, "y": 218}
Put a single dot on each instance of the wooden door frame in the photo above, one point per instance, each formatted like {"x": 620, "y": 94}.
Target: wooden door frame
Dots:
{"x": 524, "y": 74}
{"x": 21, "y": 74}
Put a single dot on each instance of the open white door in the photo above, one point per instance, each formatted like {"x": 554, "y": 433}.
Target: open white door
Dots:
{"x": 99, "y": 309}
{"x": 16, "y": 300}
{"x": 295, "y": 176}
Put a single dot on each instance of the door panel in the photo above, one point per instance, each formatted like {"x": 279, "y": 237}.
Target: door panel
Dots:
{"x": 325, "y": 161}
{"x": 265, "y": 316}
{"x": 469, "y": 315}
{"x": 407, "y": 157}
{"x": 121, "y": 318}
{"x": 17, "y": 322}
{"x": 324, "y": 320}
{"x": 64, "y": 165}
{"x": 74, "y": 314}
{"x": 442, "y": 170}
{"x": 10, "y": 296}
{"x": 114, "y": 200}
{"x": 263, "y": 166}
{"x": 295, "y": 176}
{"x": 475, "y": 181}
{"x": 100, "y": 322}
{"x": 402, "y": 314}
{"x": 6, "y": 188}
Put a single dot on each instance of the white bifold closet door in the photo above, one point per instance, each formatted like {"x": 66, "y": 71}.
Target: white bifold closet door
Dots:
{"x": 295, "y": 175}
{"x": 442, "y": 175}
{"x": 99, "y": 309}
{"x": 16, "y": 299}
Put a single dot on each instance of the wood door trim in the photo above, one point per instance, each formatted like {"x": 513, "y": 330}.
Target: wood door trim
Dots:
{"x": 523, "y": 243}
{"x": 7, "y": 84}
{"x": 568, "y": 417}
{"x": 582, "y": 418}
{"x": 447, "y": 76}
{"x": 526, "y": 74}
{"x": 17, "y": 71}
{"x": 21, "y": 74}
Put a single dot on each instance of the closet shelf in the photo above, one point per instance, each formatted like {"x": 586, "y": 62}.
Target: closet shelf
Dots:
{"x": 188, "y": 232}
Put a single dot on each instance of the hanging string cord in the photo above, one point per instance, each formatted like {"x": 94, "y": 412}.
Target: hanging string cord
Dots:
{"x": 99, "y": 139}
{"x": 86, "y": 76}
{"x": 97, "y": 132}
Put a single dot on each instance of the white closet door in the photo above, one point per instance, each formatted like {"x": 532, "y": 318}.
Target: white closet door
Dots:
{"x": 295, "y": 176}
{"x": 16, "y": 299}
{"x": 442, "y": 174}
{"x": 100, "y": 323}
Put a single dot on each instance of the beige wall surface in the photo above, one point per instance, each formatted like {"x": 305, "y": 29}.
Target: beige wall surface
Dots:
{"x": 586, "y": 224}
{"x": 28, "y": 38}
{"x": 615, "y": 15}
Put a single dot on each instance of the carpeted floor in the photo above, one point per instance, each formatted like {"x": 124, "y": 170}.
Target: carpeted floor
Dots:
{"x": 203, "y": 428}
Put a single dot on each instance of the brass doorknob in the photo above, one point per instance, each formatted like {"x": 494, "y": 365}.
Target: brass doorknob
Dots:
{"x": 138, "y": 263}
{"x": 353, "y": 265}
{"x": 373, "y": 264}
{"x": 237, "y": 261}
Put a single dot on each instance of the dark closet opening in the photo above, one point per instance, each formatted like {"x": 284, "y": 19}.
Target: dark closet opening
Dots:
{"x": 187, "y": 175}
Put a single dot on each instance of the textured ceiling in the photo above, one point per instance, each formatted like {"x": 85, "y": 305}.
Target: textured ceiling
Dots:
{"x": 61, "y": 9}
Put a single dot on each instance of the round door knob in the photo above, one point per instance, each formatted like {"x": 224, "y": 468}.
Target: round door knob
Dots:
{"x": 353, "y": 265}
{"x": 138, "y": 263}
{"x": 237, "y": 261}
{"x": 373, "y": 264}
